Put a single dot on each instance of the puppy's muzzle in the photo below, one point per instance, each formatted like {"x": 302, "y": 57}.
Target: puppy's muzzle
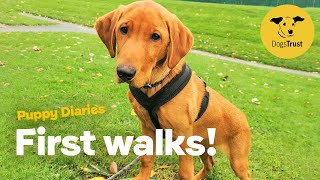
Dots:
{"x": 126, "y": 72}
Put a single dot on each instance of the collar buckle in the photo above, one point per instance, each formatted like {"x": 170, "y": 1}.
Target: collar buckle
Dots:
{"x": 149, "y": 86}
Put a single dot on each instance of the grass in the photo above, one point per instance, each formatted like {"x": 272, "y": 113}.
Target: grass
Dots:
{"x": 10, "y": 16}
{"x": 215, "y": 29}
{"x": 285, "y": 126}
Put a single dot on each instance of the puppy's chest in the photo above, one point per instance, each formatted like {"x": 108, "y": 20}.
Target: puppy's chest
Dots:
{"x": 170, "y": 115}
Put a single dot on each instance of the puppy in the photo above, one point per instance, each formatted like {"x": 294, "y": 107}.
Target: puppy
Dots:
{"x": 286, "y": 25}
{"x": 151, "y": 47}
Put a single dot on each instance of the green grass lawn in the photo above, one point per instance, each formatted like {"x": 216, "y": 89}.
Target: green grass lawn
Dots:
{"x": 229, "y": 30}
{"x": 285, "y": 126}
{"x": 9, "y": 15}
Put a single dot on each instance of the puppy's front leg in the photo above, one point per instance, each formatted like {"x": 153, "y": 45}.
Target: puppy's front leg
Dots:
{"x": 186, "y": 169}
{"x": 147, "y": 161}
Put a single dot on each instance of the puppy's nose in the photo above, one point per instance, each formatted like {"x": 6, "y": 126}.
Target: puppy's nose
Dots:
{"x": 290, "y": 31}
{"x": 126, "y": 72}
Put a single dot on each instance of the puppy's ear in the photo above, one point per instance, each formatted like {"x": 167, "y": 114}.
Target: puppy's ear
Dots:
{"x": 105, "y": 27}
{"x": 277, "y": 20}
{"x": 181, "y": 41}
{"x": 298, "y": 18}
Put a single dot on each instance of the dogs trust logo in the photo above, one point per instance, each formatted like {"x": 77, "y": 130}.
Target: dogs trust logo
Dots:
{"x": 287, "y": 31}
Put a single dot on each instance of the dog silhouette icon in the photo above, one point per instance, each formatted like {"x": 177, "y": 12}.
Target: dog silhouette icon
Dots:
{"x": 286, "y": 25}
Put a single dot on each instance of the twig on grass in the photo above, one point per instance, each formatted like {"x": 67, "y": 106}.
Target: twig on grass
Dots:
{"x": 126, "y": 168}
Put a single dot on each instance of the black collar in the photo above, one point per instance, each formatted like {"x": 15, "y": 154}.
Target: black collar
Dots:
{"x": 149, "y": 86}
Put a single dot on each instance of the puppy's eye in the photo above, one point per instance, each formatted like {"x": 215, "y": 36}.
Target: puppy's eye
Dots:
{"x": 292, "y": 24}
{"x": 155, "y": 36}
{"x": 124, "y": 30}
{"x": 284, "y": 24}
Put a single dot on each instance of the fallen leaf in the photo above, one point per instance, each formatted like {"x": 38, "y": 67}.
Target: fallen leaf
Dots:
{"x": 221, "y": 85}
{"x": 255, "y": 101}
{"x": 68, "y": 68}
{"x": 165, "y": 167}
{"x": 220, "y": 74}
{"x": 133, "y": 113}
{"x": 86, "y": 170}
{"x": 36, "y": 48}
{"x": 97, "y": 178}
{"x": 296, "y": 91}
{"x": 44, "y": 96}
{"x": 91, "y": 54}
{"x": 153, "y": 173}
{"x": 113, "y": 167}
{"x": 90, "y": 60}
{"x": 81, "y": 69}
{"x": 6, "y": 84}
{"x": 40, "y": 69}
{"x": 2, "y": 64}
{"x": 99, "y": 74}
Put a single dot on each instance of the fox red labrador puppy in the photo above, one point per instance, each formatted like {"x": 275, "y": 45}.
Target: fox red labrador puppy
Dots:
{"x": 151, "y": 47}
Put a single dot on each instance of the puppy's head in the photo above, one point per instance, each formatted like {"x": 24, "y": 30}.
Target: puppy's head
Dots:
{"x": 147, "y": 36}
{"x": 287, "y": 24}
